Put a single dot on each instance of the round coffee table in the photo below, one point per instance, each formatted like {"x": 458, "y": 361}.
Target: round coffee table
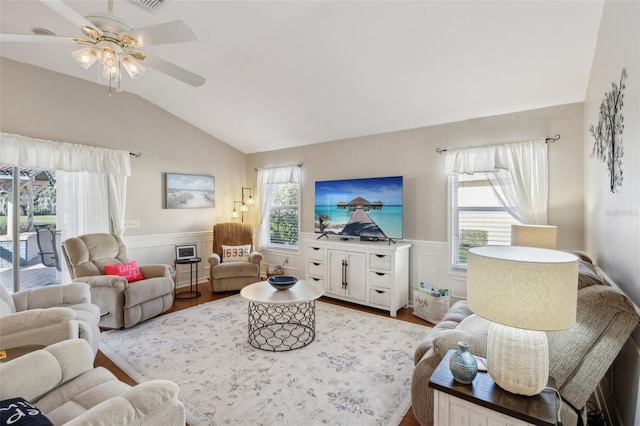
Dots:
{"x": 282, "y": 320}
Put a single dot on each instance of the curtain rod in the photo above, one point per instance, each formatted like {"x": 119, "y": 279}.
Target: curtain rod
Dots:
{"x": 547, "y": 140}
{"x": 276, "y": 167}
{"x": 138, "y": 155}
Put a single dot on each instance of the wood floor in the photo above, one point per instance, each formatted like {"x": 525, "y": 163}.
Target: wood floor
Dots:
{"x": 207, "y": 296}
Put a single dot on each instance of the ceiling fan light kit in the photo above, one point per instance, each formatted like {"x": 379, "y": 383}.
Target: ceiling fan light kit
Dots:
{"x": 114, "y": 44}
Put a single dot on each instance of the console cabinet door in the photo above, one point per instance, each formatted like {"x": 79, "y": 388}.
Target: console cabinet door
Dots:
{"x": 356, "y": 275}
{"x": 336, "y": 278}
{"x": 347, "y": 274}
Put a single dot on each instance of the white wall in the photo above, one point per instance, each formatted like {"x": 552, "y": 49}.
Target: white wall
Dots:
{"x": 412, "y": 154}
{"x": 612, "y": 220}
{"x": 44, "y": 104}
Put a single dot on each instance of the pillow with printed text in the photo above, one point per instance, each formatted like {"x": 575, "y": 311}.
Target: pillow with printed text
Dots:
{"x": 236, "y": 253}
{"x": 130, "y": 271}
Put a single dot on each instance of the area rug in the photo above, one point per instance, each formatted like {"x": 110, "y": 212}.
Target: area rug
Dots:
{"x": 357, "y": 371}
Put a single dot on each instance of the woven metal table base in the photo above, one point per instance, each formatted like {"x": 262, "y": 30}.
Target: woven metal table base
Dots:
{"x": 282, "y": 327}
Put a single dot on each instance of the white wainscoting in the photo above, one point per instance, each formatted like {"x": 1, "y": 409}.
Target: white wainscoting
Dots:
{"x": 151, "y": 249}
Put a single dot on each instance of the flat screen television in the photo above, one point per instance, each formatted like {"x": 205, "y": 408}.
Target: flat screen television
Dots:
{"x": 369, "y": 208}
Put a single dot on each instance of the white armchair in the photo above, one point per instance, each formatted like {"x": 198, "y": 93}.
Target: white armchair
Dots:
{"x": 122, "y": 304}
{"x": 47, "y": 315}
{"x": 62, "y": 384}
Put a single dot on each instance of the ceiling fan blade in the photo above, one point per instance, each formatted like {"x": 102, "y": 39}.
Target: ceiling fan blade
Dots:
{"x": 66, "y": 12}
{"x": 32, "y": 38}
{"x": 169, "y": 32}
{"x": 175, "y": 71}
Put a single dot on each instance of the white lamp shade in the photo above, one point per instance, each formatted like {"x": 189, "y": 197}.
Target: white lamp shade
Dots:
{"x": 524, "y": 291}
{"x": 544, "y": 236}
{"x": 525, "y": 287}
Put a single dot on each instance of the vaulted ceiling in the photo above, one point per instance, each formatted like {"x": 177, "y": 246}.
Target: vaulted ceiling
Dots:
{"x": 288, "y": 73}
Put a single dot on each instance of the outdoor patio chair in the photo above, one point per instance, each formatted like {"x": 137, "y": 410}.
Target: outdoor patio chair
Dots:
{"x": 47, "y": 246}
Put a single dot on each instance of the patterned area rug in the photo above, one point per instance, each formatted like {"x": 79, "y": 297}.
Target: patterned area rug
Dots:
{"x": 356, "y": 372}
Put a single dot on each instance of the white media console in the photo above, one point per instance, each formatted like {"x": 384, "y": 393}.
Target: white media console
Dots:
{"x": 374, "y": 274}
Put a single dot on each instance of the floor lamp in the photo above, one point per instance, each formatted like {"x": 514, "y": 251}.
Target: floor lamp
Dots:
{"x": 524, "y": 291}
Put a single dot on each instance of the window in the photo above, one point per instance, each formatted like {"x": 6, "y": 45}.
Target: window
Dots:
{"x": 279, "y": 202}
{"x": 284, "y": 217}
{"x": 478, "y": 217}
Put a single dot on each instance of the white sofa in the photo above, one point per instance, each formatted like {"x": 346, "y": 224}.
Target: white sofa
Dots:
{"x": 61, "y": 382}
{"x": 47, "y": 315}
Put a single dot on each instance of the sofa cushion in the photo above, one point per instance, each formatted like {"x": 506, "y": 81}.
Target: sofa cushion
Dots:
{"x": 7, "y": 306}
{"x": 130, "y": 271}
{"x": 236, "y": 253}
{"x": 20, "y": 412}
{"x": 236, "y": 269}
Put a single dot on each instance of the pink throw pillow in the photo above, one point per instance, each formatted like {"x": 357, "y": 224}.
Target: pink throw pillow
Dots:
{"x": 130, "y": 271}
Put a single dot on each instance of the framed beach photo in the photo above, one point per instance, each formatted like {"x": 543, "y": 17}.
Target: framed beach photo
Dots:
{"x": 189, "y": 191}
{"x": 186, "y": 251}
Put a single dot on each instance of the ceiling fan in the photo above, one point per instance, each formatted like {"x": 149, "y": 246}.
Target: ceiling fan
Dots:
{"x": 114, "y": 44}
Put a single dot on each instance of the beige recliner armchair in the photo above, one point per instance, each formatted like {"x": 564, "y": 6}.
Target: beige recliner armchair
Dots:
{"x": 62, "y": 384}
{"x": 231, "y": 275}
{"x": 47, "y": 315}
{"x": 121, "y": 303}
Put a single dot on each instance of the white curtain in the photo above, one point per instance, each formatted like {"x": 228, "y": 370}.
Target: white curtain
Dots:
{"x": 101, "y": 180}
{"x": 518, "y": 172}
{"x": 267, "y": 181}
{"x": 117, "y": 200}
{"x": 91, "y": 182}
{"x": 26, "y": 152}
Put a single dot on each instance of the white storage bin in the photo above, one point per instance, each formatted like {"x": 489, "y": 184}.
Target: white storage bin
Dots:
{"x": 428, "y": 307}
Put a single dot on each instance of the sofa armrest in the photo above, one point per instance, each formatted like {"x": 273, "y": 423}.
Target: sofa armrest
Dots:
{"x": 149, "y": 403}
{"x": 33, "y": 319}
{"x": 56, "y": 364}
{"x": 155, "y": 271}
{"x": 214, "y": 260}
{"x": 255, "y": 257}
{"x": 114, "y": 281}
{"x": 53, "y": 295}
{"x": 449, "y": 339}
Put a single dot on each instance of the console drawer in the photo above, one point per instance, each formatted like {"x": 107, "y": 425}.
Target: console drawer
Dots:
{"x": 380, "y": 261}
{"x": 380, "y": 297}
{"x": 379, "y": 279}
{"x": 315, "y": 280}
{"x": 315, "y": 269}
{"x": 315, "y": 253}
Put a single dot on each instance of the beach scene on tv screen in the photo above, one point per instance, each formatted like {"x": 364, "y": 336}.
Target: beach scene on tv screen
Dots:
{"x": 369, "y": 207}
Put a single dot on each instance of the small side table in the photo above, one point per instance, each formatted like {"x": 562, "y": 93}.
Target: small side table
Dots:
{"x": 191, "y": 293}
{"x": 484, "y": 402}
{"x": 18, "y": 351}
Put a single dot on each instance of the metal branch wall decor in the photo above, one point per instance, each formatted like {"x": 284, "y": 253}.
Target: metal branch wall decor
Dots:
{"x": 608, "y": 133}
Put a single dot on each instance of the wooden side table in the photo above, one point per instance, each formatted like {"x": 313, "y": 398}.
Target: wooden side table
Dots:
{"x": 191, "y": 293}
{"x": 484, "y": 402}
{"x": 18, "y": 351}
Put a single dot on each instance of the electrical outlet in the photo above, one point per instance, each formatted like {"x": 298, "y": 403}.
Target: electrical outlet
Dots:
{"x": 132, "y": 223}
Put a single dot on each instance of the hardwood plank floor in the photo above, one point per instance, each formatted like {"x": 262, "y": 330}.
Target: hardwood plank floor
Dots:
{"x": 405, "y": 314}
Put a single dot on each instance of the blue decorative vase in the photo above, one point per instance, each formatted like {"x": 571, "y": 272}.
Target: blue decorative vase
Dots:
{"x": 462, "y": 364}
